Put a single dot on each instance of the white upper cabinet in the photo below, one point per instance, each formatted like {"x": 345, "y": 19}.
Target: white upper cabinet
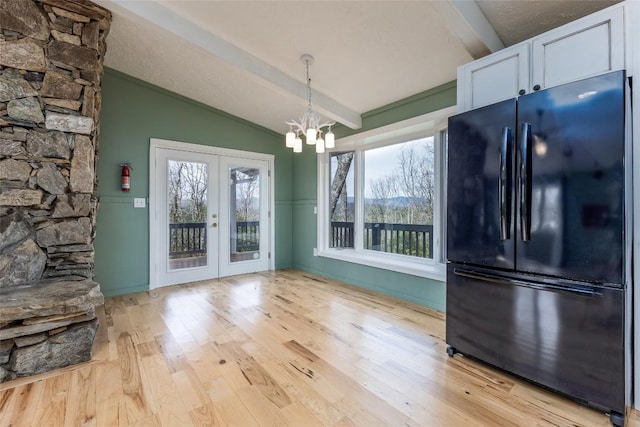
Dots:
{"x": 587, "y": 47}
{"x": 595, "y": 45}
{"x": 495, "y": 77}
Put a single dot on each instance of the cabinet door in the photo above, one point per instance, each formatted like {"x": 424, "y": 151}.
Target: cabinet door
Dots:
{"x": 585, "y": 48}
{"x": 494, "y": 78}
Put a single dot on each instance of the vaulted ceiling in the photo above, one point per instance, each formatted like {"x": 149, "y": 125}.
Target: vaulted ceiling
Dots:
{"x": 243, "y": 57}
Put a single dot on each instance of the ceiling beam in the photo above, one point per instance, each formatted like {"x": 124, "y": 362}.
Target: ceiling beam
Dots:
{"x": 466, "y": 21}
{"x": 265, "y": 73}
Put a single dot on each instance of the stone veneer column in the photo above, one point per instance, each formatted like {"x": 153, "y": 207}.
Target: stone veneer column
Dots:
{"x": 51, "y": 56}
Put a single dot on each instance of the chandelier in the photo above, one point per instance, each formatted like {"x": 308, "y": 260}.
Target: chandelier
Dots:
{"x": 309, "y": 125}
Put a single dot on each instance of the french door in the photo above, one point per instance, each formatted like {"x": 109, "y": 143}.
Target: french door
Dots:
{"x": 244, "y": 216}
{"x": 209, "y": 214}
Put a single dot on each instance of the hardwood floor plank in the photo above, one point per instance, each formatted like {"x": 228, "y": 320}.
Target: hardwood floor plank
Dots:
{"x": 360, "y": 416}
{"x": 136, "y": 399}
{"x": 28, "y": 399}
{"x": 329, "y": 390}
{"x": 219, "y": 389}
{"x": 171, "y": 351}
{"x": 279, "y": 348}
{"x": 190, "y": 389}
{"x": 206, "y": 363}
{"x": 81, "y": 402}
{"x": 344, "y": 422}
{"x": 7, "y": 402}
{"x": 296, "y": 347}
{"x": 358, "y": 394}
{"x": 303, "y": 393}
{"x": 51, "y": 411}
{"x": 205, "y": 416}
{"x": 234, "y": 414}
{"x": 264, "y": 411}
{"x": 257, "y": 376}
{"x": 168, "y": 406}
{"x": 399, "y": 393}
{"x": 298, "y": 415}
{"x": 110, "y": 403}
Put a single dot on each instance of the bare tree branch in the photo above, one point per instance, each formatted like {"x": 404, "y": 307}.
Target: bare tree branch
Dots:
{"x": 338, "y": 184}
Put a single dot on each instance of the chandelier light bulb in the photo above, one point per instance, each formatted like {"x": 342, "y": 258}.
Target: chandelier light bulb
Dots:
{"x": 291, "y": 139}
{"x": 311, "y": 136}
{"x": 320, "y": 145}
{"x": 329, "y": 139}
{"x": 297, "y": 145}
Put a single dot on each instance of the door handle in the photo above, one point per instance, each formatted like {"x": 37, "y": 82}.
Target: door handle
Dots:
{"x": 525, "y": 183}
{"x": 505, "y": 184}
{"x": 214, "y": 225}
{"x": 503, "y": 280}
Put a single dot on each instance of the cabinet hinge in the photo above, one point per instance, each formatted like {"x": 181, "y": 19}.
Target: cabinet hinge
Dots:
{"x": 269, "y": 173}
{"x": 269, "y": 255}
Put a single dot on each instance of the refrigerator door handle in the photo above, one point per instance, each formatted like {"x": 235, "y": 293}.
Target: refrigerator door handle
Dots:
{"x": 485, "y": 277}
{"x": 525, "y": 183}
{"x": 505, "y": 184}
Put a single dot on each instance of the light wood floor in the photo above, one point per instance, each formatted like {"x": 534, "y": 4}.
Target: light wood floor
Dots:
{"x": 278, "y": 349}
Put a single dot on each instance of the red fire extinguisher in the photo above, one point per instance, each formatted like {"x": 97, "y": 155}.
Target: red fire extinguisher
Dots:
{"x": 126, "y": 172}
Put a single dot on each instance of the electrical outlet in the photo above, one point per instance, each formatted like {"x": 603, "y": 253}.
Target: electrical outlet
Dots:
{"x": 139, "y": 202}
{"x": 315, "y": 210}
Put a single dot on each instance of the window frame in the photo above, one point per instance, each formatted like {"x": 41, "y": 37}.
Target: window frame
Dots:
{"x": 427, "y": 125}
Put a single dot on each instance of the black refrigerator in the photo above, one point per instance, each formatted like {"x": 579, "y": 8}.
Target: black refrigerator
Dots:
{"x": 536, "y": 237}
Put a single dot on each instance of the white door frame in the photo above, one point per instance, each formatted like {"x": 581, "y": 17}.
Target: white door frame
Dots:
{"x": 165, "y": 275}
{"x": 155, "y": 144}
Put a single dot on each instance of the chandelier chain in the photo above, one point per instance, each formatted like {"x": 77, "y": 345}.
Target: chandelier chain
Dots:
{"x": 308, "y": 83}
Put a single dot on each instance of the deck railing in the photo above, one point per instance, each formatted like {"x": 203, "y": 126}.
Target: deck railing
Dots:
{"x": 190, "y": 239}
{"x": 405, "y": 239}
{"x": 248, "y": 236}
{"x": 187, "y": 239}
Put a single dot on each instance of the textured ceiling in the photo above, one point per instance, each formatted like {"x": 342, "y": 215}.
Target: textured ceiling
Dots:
{"x": 228, "y": 54}
{"x": 518, "y": 20}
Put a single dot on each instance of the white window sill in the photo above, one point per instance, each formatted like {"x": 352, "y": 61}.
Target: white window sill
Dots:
{"x": 420, "y": 267}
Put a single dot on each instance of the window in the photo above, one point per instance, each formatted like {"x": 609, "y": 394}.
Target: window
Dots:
{"x": 380, "y": 197}
{"x": 341, "y": 201}
{"x": 398, "y": 198}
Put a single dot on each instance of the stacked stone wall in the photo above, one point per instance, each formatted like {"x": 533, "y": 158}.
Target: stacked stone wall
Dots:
{"x": 51, "y": 66}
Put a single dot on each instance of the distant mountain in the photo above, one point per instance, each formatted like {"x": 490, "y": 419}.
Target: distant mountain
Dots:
{"x": 396, "y": 202}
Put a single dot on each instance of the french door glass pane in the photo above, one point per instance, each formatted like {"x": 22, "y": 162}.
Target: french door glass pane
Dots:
{"x": 399, "y": 183}
{"x": 341, "y": 200}
{"x": 244, "y": 212}
{"x": 187, "y": 199}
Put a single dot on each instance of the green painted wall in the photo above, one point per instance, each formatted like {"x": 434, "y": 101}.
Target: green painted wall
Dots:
{"x": 132, "y": 113}
{"x": 430, "y": 293}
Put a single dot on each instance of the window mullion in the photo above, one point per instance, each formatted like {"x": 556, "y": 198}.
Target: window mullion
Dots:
{"x": 322, "y": 219}
{"x": 358, "y": 225}
{"x": 439, "y": 179}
